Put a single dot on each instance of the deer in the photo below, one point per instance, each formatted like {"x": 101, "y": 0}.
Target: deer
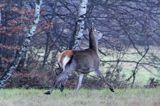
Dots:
{"x": 80, "y": 61}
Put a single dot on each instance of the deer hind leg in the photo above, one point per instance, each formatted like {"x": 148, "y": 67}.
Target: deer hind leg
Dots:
{"x": 58, "y": 83}
{"x": 99, "y": 74}
{"x": 60, "y": 80}
{"x": 80, "y": 81}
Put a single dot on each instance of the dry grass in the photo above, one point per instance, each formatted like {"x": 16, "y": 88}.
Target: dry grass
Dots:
{"x": 32, "y": 97}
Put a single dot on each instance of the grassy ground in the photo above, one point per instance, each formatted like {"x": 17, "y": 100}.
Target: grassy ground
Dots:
{"x": 33, "y": 97}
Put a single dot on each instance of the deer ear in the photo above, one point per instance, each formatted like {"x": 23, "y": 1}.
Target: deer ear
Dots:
{"x": 99, "y": 35}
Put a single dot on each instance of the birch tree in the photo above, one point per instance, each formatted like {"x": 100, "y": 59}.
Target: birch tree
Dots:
{"x": 26, "y": 44}
{"x": 80, "y": 23}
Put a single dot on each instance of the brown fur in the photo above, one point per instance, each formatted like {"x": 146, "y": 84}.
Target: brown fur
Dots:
{"x": 87, "y": 60}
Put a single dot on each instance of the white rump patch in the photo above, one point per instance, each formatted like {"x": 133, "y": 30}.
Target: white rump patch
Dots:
{"x": 65, "y": 61}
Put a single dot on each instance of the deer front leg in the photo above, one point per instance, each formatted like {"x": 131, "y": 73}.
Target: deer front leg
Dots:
{"x": 99, "y": 74}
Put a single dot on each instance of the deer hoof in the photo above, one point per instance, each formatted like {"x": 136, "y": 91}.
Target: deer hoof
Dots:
{"x": 47, "y": 93}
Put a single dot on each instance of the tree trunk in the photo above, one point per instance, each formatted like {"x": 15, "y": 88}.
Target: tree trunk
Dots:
{"x": 80, "y": 24}
{"x": 26, "y": 44}
{"x": 47, "y": 50}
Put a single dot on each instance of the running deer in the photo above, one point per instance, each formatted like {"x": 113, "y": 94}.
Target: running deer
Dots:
{"x": 81, "y": 61}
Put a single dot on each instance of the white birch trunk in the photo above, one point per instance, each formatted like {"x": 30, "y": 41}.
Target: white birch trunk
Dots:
{"x": 80, "y": 23}
{"x": 9, "y": 71}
